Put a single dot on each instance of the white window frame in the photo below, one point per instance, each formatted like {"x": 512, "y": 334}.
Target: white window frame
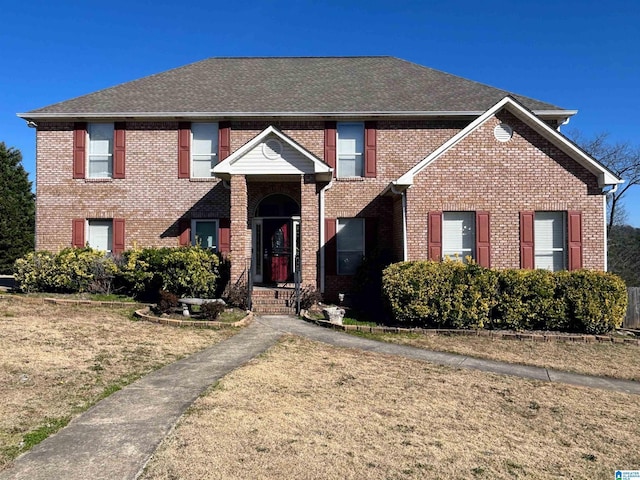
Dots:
{"x": 539, "y": 252}
{"x": 91, "y": 153}
{"x": 95, "y": 222}
{"x": 359, "y": 155}
{"x": 210, "y": 157}
{"x": 341, "y": 223}
{"x": 216, "y": 223}
{"x": 459, "y": 254}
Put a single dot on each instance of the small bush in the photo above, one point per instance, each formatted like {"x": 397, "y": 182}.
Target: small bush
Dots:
{"x": 167, "y": 302}
{"x": 238, "y": 295}
{"x": 212, "y": 310}
{"x": 309, "y": 296}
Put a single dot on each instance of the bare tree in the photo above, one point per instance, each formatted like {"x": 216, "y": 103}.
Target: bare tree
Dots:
{"x": 623, "y": 159}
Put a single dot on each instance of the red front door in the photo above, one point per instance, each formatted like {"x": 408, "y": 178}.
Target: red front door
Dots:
{"x": 277, "y": 246}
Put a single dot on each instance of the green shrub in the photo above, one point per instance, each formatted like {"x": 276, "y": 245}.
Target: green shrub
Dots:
{"x": 447, "y": 294}
{"x": 186, "y": 271}
{"x": 71, "y": 270}
{"x": 454, "y": 295}
{"x": 528, "y": 300}
{"x": 596, "y": 302}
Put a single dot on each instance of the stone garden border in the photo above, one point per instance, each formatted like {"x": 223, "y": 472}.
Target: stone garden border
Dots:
{"x": 143, "y": 314}
{"x": 494, "y": 334}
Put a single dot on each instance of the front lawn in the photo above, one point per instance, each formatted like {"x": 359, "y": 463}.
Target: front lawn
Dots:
{"x": 305, "y": 410}
{"x": 56, "y": 361}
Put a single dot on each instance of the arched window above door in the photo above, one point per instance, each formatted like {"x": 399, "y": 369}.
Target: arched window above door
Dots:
{"x": 278, "y": 205}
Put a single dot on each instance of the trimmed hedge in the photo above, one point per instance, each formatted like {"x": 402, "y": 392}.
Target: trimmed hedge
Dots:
{"x": 69, "y": 271}
{"x": 142, "y": 273}
{"x": 451, "y": 294}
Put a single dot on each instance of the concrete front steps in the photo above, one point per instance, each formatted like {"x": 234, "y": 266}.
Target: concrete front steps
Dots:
{"x": 273, "y": 301}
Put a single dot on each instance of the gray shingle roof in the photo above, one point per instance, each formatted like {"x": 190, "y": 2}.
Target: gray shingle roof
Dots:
{"x": 291, "y": 85}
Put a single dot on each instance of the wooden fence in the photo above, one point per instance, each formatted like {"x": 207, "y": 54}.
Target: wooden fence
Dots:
{"x": 632, "y": 319}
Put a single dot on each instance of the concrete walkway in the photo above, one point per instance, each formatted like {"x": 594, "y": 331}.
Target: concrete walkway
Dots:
{"x": 304, "y": 329}
{"x": 115, "y": 438}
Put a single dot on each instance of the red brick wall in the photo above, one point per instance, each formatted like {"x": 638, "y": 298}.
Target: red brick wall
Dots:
{"x": 151, "y": 198}
{"x": 526, "y": 173}
{"x": 479, "y": 173}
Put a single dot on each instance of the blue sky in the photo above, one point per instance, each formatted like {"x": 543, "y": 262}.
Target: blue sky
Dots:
{"x": 582, "y": 55}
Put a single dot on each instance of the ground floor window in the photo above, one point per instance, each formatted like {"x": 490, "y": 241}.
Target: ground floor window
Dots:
{"x": 550, "y": 240}
{"x": 350, "y": 244}
{"x": 100, "y": 235}
{"x": 459, "y": 235}
{"x": 205, "y": 233}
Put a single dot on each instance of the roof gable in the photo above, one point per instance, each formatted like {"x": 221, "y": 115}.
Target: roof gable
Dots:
{"x": 272, "y": 153}
{"x": 281, "y": 86}
{"x": 605, "y": 177}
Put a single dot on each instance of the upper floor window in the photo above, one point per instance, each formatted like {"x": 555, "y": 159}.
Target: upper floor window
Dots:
{"x": 550, "y": 240}
{"x": 350, "y": 149}
{"x": 204, "y": 149}
{"x": 100, "y": 235}
{"x": 459, "y": 235}
{"x": 205, "y": 233}
{"x": 350, "y": 244}
{"x": 100, "y": 150}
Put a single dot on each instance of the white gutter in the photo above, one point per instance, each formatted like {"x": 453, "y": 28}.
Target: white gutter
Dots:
{"x": 180, "y": 115}
{"x": 606, "y": 240}
{"x": 403, "y": 192}
{"x": 606, "y": 224}
{"x": 321, "y": 229}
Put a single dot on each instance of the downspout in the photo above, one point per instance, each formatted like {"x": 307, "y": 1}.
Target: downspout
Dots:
{"x": 613, "y": 190}
{"x": 404, "y": 220}
{"x": 321, "y": 229}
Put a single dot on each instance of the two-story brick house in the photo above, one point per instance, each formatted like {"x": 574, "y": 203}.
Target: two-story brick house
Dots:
{"x": 324, "y": 159}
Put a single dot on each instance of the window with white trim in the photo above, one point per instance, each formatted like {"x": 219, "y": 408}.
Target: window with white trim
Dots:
{"x": 350, "y": 151}
{"x": 550, "y": 240}
{"x": 459, "y": 235}
{"x": 350, "y": 245}
{"x": 205, "y": 233}
{"x": 100, "y": 235}
{"x": 204, "y": 149}
{"x": 100, "y": 150}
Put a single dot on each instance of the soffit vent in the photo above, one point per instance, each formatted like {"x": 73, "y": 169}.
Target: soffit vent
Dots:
{"x": 272, "y": 148}
{"x": 503, "y": 132}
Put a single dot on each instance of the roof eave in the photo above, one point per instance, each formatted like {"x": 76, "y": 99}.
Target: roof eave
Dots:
{"x": 548, "y": 114}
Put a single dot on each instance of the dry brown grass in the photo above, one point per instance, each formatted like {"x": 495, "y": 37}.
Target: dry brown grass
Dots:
{"x": 56, "y": 360}
{"x": 306, "y": 410}
{"x": 600, "y": 359}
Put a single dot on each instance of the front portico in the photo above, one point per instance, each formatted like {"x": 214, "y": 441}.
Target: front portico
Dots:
{"x": 275, "y": 209}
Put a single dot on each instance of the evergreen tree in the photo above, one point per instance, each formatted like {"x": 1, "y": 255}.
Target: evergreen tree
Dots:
{"x": 17, "y": 209}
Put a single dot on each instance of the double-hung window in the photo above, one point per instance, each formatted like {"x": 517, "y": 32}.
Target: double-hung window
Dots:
{"x": 350, "y": 150}
{"x": 100, "y": 235}
{"x": 205, "y": 233}
{"x": 550, "y": 240}
{"x": 459, "y": 235}
{"x": 350, "y": 244}
{"x": 204, "y": 149}
{"x": 100, "y": 152}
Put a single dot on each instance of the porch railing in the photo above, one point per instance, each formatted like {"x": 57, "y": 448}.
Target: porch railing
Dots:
{"x": 248, "y": 270}
{"x": 297, "y": 280}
